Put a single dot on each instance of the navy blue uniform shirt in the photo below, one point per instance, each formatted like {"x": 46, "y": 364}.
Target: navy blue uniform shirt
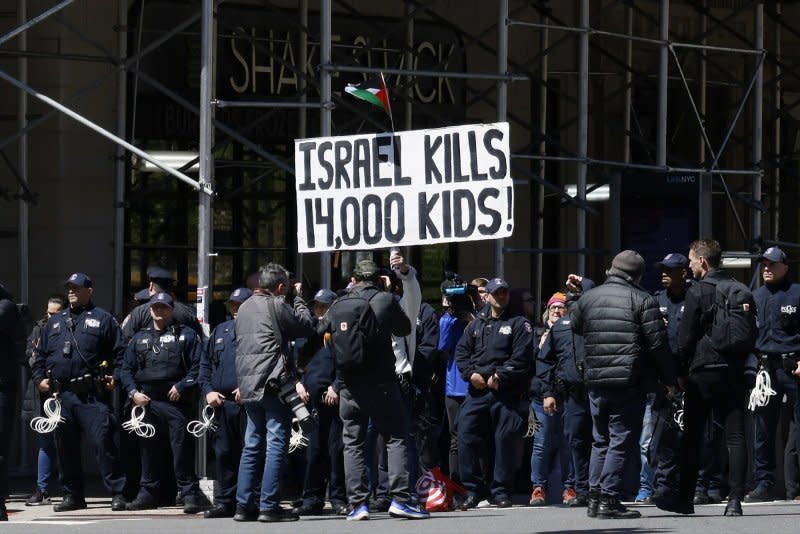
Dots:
{"x": 74, "y": 343}
{"x": 778, "y": 316}
{"x": 497, "y": 345}
{"x": 170, "y": 356}
{"x": 672, "y": 310}
{"x": 218, "y": 361}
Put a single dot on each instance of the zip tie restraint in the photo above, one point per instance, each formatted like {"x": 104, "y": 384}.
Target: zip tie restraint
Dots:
{"x": 52, "y": 418}
{"x": 678, "y": 415}
{"x": 534, "y": 425}
{"x": 136, "y": 426}
{"x": 199, "y": 428}
{"x": 297, "y": 440}
{"x": 762, "y": 391}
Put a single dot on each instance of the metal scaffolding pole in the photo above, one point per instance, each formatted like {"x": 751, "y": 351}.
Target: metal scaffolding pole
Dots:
{"x": 205, "y": 207}
{"x": 302, "y": 116}
{"x": 758, "y": 127}
{"x": 24, "y": 26}
{"x": 663, "y": 72}
{"x": 502, "y": 101}
{"x": 205, "y": 223}
{"x": 583, "y": 130}
{"x": 543, "y": 66}
{"x": 325, "y": 114}
{"x": 23, "y": 233}
{"x": 706, "y": 181}
{"x": 776, "y": 144}
{"x": 119, "y": 192}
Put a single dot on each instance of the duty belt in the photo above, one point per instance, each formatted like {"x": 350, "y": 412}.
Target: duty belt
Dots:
{"x": 83, "y": 385}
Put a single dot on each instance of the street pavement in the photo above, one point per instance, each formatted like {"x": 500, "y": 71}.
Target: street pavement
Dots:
{"x": 772, "y": 518}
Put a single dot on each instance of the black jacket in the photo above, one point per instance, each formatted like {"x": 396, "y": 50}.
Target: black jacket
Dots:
{"x": 694, "y": 345}
{"x": 502, "y": 346}
{"x": 12, "y": 341}
{"x": 140, "y": 318}
{"x": 624, "y": 336}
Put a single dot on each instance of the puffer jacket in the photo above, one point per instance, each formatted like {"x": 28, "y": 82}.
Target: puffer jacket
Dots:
{"x": 624, "y": 336}
{"x": 260, "y": 354}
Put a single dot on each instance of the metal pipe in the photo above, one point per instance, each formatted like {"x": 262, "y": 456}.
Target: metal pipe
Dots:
{"x": 271, "y": 104}
{"x": 663, "y": 71}
{"x": 302, "y": 115}
{"x": 424, "y": 73}
{"x": 777, "y": 148}
{"x": 205, "y": 223}
{"x": 408, "y": 60}
{"x": 545, "y": 26}
{"x": 120, "y": 166}
{"x": 749, "y": 51}
{"x": 325, "y": 60}
{"x": 34, "y": 21}
{"x": 23, "y": 234}
{"x": 543, "y": 70}
{"x": 99, "y": 129}
{"x": 502, "y": 107}
{"x": 758, "y": 126}
{"x": 626, "y": 147}
{"x": 583, "y": 130}
{"x": 706, "y": 186}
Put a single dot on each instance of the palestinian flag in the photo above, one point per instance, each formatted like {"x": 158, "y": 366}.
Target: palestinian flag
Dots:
{"x": 372, "y": 91}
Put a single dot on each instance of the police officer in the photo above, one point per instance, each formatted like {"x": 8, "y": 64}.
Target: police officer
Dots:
{"x": 659, "y": 465}
{"x": 325, "y": 450}
{"x": 778, "y": 346}
{"x": 160, "y": 372}
{"x": 11, "y": 354}
{"x": 161, "y": 281}
{"x": 495, "y": 356}
{"x": 218, "y": 386}
{"x": 76, "y": 354}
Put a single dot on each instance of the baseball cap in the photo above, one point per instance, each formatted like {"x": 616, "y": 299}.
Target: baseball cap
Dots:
{"x": 324, "y": 296}
{"x": 78, "y": 279}
{"x": 366, "y": 269}
{"x": 240, "y": 294}
{"x": 161, "y": 298}
{"x": 672, "y": 261}
{"x": 143, "y": 295}
{"x": 495, "y": 284}
{"x": 773, "y": 254}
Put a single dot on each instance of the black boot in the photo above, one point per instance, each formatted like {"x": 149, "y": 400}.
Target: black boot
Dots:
{"x": 611, "y": 508}
{"x": 70, "y": 503}
{"x": 220, "y": 510}
{"x": 3, "y": 512}
{"x": 734, "y": 508}
{"x": 592, "y": 502}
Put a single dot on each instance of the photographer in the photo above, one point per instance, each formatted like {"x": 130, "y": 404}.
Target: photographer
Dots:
{"x": 264, "y": 327}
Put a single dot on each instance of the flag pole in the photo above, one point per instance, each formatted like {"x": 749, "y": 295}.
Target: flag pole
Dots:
{"x": 388, "y": 101}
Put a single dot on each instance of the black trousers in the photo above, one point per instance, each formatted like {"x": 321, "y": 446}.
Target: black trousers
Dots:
{"x": 7, "y": 422}
{"x": 170, "y": 420}
{"x": 720, "y": 392}
{"x": 325, "y": 460}
{"x": 228, "y": 441}
{"x": 95, "y": 419}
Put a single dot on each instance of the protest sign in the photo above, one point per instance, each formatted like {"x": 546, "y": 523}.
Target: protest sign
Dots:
{"x": 407, "y": 188}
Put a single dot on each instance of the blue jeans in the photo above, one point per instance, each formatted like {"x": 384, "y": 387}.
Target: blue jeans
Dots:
{"x": 549, "y": 456}
{"x": 648, "y": 473}
{"x": 266, "y": 443}
{"x": 46, "y": 461}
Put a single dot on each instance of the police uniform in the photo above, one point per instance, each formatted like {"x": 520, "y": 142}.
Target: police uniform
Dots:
{"x": 77, "y": 348}
{"x": 500, "y": 348}
{"x": 218, "y": 373}
{"x": 11, "y": 342}
{"x": 778, "y": 344}
{"x": 155, "y": 361}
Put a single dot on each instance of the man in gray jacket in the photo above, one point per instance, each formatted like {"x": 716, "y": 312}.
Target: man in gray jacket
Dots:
{"x": 625, "y": 340}
{"x": 264, "y": 327}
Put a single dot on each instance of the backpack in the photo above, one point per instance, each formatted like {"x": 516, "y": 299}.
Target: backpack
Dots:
{"x": 732, "y": 329}
{"x": 354, "y": 330}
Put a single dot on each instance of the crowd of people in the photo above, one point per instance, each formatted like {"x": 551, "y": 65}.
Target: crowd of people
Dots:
{"x": 385, "y": 392}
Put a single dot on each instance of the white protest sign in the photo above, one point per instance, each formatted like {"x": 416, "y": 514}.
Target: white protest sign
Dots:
{"x": 407, "y": 188}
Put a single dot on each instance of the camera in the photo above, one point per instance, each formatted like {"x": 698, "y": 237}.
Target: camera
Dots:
{"x": 287, "y": 393}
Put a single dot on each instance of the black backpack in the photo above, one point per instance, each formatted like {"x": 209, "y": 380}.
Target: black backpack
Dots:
{"x": 354, "y": 330}
{"x": 732, "y": 328}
